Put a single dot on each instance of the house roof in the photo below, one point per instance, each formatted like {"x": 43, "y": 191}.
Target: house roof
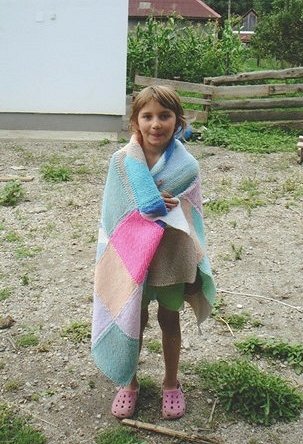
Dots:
{"x": 191, "y": 9}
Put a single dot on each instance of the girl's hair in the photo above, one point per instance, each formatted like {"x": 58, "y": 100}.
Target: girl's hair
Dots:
{"x": 165, "y": 95}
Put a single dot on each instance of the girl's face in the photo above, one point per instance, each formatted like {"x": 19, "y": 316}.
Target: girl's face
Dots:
{"x": 157, "y": 125}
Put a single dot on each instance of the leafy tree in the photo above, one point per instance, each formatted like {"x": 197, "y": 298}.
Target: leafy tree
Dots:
{"x": 279, "y": 34}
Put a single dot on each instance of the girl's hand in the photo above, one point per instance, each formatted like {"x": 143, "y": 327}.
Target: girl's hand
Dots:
{"x": 169, "y": 200}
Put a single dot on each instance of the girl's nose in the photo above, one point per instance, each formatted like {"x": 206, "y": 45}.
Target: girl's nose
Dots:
{"x": 156, "y": 123}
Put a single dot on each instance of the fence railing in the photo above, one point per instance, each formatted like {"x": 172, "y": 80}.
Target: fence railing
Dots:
{"x": 275, "y": 96}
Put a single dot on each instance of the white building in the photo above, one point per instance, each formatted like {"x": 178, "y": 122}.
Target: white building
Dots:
{"x": 63, "y": 64}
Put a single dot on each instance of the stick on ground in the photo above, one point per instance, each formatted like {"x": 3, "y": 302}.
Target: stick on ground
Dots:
{"x": 170, "y": 432}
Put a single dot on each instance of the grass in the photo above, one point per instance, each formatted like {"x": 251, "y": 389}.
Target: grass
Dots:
{"x": 56, "y": 173}
{"x": 5, "y": 293}
{"x": 283, "y": 351}
{"x": 220, "y": 207}
{"x": 250, "y": 137}
{"x": 14, "y": 429}
{"x": 154, "y": 346}
{"x": 118, "y": 435}
{"x": 77, "y": 332}
{"x": 11, "y": 236}
{"x": 11, "y": 194}
{"x": 27, "y": 340}
{"x": 256, "y": 396}
{"x": 25, "y": 252}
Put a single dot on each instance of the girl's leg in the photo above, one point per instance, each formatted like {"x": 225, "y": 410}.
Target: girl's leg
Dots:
{"x": 171, "y": 341}
{"x": 144, "y": 319}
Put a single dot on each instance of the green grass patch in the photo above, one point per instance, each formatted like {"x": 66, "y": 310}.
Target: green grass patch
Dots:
{"x": 77, "y": 332}
{"x": 12, "y": 193}
{"x": 24, "y": 252}
{"x": 5, "y": 293}
{"x": 252, "y": 394}
{"x": 56, "y": 173}
{"x": 104, "y": 142}
{"x": 154, "y": 346}
{"x": 118, "y": 435}
{"x": 283, "y": 351}
{"x": 27, "y": 340}
{"x": 250, "y": 137}
{"x": 14, "y": 429}
{"x": 12, "y": 237}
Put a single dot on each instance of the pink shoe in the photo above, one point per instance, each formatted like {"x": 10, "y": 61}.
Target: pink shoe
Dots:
{"x": 124, "y": 403}
{"x": 173, "y": 403}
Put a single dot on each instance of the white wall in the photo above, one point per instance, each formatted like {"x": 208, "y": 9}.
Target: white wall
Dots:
{"x": 63, "y": 56}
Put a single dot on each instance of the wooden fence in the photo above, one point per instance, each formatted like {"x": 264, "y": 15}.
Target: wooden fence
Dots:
{"x": 242, "y": 97}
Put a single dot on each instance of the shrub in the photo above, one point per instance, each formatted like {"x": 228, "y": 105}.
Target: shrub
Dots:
{"x": 11, "y": 194}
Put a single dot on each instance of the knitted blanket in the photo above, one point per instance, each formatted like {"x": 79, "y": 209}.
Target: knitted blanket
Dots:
{"x": 134, "y": 219}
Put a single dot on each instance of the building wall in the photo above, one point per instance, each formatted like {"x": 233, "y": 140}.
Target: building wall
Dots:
{"x": 64, "y": 57}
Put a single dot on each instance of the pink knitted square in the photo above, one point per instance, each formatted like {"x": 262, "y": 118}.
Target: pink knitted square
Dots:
{"x": 136, "y": 240}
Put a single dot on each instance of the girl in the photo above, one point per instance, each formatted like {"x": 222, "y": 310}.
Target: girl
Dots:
{"x": 151, "y": 246}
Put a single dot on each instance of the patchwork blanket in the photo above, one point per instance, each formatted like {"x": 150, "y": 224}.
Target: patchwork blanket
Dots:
{"x": 133, "y": 222}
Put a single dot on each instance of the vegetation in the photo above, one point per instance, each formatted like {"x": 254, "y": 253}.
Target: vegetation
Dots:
{"x": 11, "y": 194}
{"x": 118, "y": 435}
{"x": 56, "y": 173}
{"x": 77, "y": 332}
{"x": 290, "y": 353}
{"x": 256, "y": 396}
{"x": 251, "y": 137}
{"x": 15, "y": 430}
{"x": 154, "y": 346}
{"x": 176, "y": 49}
{"x": 5, "y": 293}
{"x": 27, "y": 340}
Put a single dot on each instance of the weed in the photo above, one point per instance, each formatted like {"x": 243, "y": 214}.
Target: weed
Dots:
{"x": 77, "y": 332}
{"x": 217, "y": 207}
{"x": 1, "y": 226}
{"x": 122, "y": 140}
{"x": 252, "y": 137}
{"x": 291, "y": 353}
{"x": 237, "y": 321}
{"x": 118, "y": 435}
{"x": 27, "y": 340}
{"x": 11, "y": 194}
{"x": 104, "y": 142}
{"x": 24, "y": 252}
{"x": 15, "y": 430}
{"x": 5, "y": 293}
{"x": 12, "y": 385}
{"x": 24, "y": 279}
{"x": 237, "y": 251}
{"x": 56, "y": 173}
{"x": 249, "y": 185}
{"x": 258, "y": 397}
{"x": 12, "y": 237}
{"x": 154, "y": 346}
{"x": 233, "y": 223}
{"x": 2, "y": 365}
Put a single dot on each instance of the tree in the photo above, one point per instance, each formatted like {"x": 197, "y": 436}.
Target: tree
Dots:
{"x": 280, "y": 33}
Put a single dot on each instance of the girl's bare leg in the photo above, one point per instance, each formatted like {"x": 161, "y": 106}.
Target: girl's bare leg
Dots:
{"x": 171, "y": 341}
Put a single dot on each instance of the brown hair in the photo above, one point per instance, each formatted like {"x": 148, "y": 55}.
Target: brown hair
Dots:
{"x": 165, "y": 95}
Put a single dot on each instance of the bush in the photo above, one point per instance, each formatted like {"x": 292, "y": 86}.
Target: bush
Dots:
{"x": 11, "y": 194}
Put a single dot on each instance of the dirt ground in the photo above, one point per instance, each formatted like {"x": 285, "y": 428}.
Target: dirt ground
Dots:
{"x": 47, "y": 262}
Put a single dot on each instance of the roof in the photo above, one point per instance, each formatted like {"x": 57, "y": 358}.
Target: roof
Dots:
{"x": 190, "y": 9}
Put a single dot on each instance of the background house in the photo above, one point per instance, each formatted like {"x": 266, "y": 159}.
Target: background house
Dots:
{"x": 63, "y": 64}
{"x": 193, "y": 10}
{"x": 247, "y": 25}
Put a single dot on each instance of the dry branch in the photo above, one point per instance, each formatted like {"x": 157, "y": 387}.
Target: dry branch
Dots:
{"x": 170, "y": 432}
{"x": 257, "y": 296}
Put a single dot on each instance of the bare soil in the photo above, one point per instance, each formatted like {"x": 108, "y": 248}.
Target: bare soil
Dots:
{"x": 47, "y": 253}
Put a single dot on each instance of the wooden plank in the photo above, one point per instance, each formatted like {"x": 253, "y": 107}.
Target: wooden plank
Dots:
{"x": 176, "y": 84}
{"x": 259, "y": 115}
{"x": 256, "y": 90}
{"x": 289, "y": 102}
{"x": 290, "y": 73}
{"x": 193, "y": 115}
